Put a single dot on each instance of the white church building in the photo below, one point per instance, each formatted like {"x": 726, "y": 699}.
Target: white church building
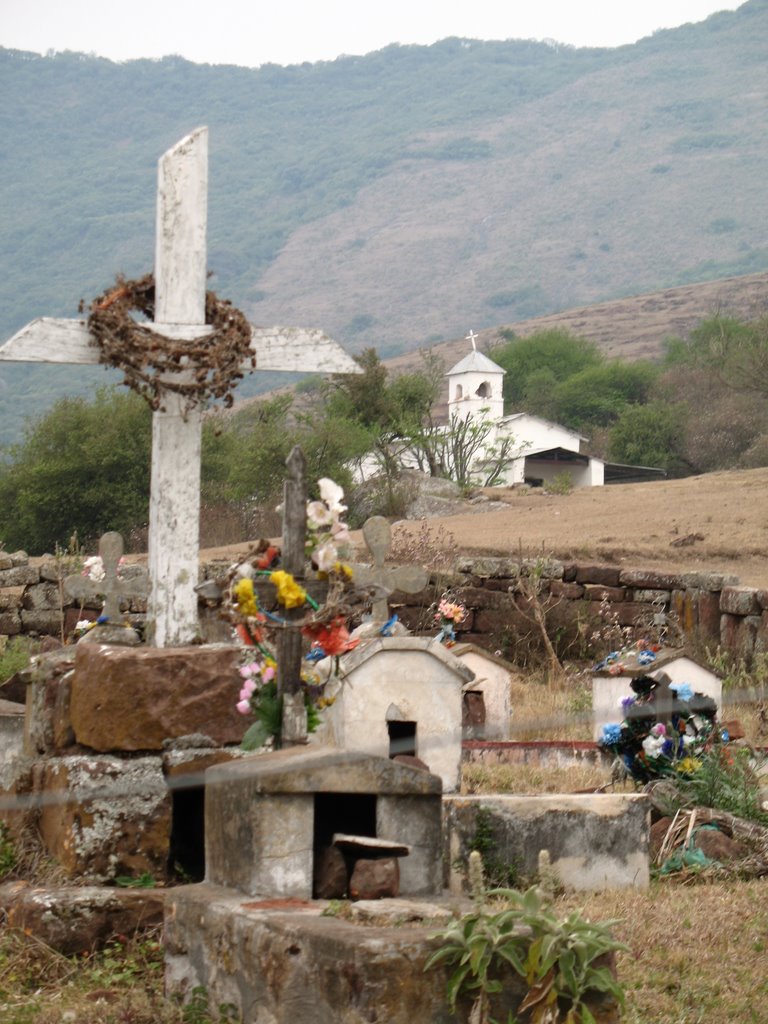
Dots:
{"x": 539, "y": 450}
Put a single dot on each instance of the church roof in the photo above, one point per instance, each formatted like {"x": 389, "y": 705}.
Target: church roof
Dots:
{"x": 476, "y": 362}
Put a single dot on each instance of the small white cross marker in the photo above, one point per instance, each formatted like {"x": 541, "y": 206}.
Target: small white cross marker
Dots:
{"x": 471, "y": 337}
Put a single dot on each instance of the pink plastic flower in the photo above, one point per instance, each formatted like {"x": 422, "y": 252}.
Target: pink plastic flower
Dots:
{"x": 249, "y": 687}
{"x": 244, "y": 707}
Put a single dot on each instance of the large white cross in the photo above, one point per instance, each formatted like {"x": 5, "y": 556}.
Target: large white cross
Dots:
{"x": 180, "y": 275}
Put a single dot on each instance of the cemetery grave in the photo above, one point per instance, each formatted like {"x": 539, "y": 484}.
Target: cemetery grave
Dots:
{"x": 132, "y": 766}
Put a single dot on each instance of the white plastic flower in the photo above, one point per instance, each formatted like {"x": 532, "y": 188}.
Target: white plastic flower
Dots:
{"x": 318, "y": 514}
{"x": 326, "y": 555}
{"x": 93, "y": 568}
{"x": 331, "y": 494}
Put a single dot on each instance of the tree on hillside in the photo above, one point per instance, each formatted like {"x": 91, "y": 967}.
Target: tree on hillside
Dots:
{"x": 83, "y": 467}
{"x": 597, "y": 395}
{"x": 651, "y": 435}
{"x": 735, "y": 350}
{"x": 537, "y": 363}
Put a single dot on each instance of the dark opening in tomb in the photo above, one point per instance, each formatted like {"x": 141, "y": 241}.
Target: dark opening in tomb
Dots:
{"x": 402, "y": 738}
{"x": 346, "y": 813}
{"x": 186, "y": 859}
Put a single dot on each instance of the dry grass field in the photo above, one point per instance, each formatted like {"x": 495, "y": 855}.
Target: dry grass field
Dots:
{"x": 716, "y": 522}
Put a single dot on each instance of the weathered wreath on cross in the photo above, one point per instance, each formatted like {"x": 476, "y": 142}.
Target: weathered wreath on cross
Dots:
{"x": 148, "y": 360}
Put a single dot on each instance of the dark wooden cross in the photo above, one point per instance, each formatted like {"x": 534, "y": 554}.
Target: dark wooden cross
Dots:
{"x": 289, "y": 647}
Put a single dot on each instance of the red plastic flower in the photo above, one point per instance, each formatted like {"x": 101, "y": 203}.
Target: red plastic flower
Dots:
{"x": 332, "y": 638}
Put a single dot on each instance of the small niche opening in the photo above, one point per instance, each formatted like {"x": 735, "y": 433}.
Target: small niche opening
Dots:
{"x": 186, "y": 858}
{"x": 402, "y": 738}
{"x": 484, "y": 391}
{"x": 351, "y": 814}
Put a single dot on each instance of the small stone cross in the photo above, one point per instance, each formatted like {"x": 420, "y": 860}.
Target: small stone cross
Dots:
{"x": 112, "y": 588}
{"x": 408, "y": 578}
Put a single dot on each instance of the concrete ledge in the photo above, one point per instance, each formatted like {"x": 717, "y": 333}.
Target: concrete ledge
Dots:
{"x": 284, "y": 962}
{"x": 594, "y": 841}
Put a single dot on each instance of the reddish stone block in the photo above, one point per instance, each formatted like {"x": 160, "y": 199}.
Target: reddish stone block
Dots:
{"x": 134, "y": 698}
{"x": 567, "y": 590}
{"x": 375, "y": 879}
{"x": 738, "y": 633}
{"x": 698, "y": 613}
{"x": 606, "y": 575}
{"x": 104, "y": 817}
{"x": 629, "y": 613}
{"x": 596, "y": 592}
{"x": 82, "y": 919}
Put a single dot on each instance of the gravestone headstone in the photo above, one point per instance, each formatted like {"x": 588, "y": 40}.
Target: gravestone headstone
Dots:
{"x": 113, "y": 589}
{"x": 410, "y": 579}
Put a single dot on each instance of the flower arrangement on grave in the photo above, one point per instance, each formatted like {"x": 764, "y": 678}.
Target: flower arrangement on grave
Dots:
{"x": 448, "y": 615}
{"x": 326, "y": 626}
{"x": 93, "y": 568}
{"x": 662, "y": 736}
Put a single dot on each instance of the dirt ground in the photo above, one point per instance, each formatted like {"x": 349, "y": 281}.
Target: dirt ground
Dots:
{"x": 716, "y": 522}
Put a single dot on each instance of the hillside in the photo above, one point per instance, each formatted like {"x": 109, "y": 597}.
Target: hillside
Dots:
{"x": 632, "y": 328}
{"x": 395, "y": 199}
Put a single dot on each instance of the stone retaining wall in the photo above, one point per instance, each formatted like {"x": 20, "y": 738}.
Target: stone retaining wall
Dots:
{"x": 710, "y": 608}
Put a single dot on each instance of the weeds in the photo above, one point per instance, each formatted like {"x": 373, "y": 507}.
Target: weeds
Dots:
{"x": 559, "y": 960}
{"x": 15, "y": 654}
{"x": 7, "y": 852}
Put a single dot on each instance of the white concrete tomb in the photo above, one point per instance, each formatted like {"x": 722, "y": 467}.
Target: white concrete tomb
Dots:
{"x": 398, "y": 695}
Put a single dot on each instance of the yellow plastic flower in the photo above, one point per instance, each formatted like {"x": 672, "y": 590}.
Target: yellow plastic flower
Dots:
{"x": 245, "y": 597}
{"x": 688, "y": 765}
{"x": 289, "y": 593}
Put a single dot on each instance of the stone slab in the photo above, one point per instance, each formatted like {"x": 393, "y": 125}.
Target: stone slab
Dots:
{"x": 133, "y": 699}
{"x": 79, "y": 919}
{"x": 595, "y": 841}
{"x": 283, "y": 962}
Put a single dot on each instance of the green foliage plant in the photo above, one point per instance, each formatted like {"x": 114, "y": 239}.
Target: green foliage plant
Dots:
{"x": 726, "y": 780}
{"x": 7, "y": 851}
{"x": 561, "y": 483}
{"x": 15, "y": 655}
{"x": 82, "y": 467}
{"x": 555, "y": 353}
{"x": 558, "y": 960}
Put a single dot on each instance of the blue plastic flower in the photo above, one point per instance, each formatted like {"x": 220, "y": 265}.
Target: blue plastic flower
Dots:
{"x": 683, "y": 691}
{"x": 611, "y": 733}
{"x": 646, "y": 657}
{"x": 626, "y": 703}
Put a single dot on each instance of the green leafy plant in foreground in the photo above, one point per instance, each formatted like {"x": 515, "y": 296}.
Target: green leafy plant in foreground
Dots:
{"x": 557, "y": 959}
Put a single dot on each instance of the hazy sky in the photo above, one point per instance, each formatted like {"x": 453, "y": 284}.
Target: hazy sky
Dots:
{"x": 253, "y": 32}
